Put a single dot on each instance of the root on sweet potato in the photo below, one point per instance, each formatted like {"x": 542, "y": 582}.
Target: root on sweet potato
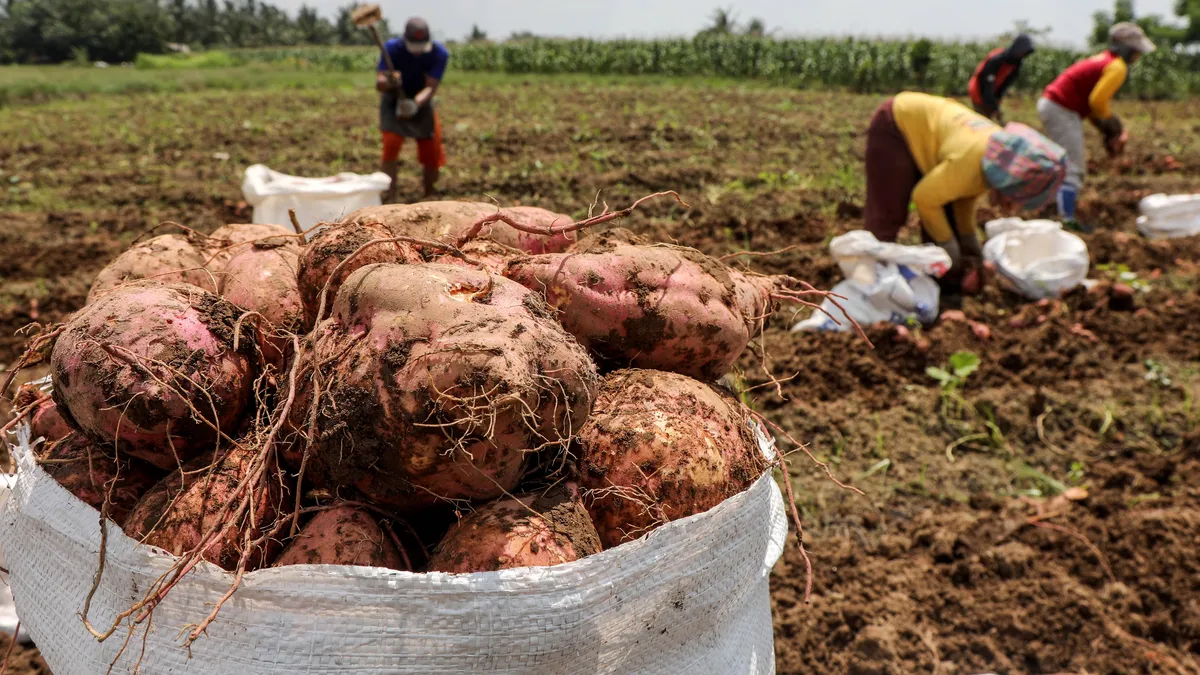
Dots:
{"x": 530, "y": 531}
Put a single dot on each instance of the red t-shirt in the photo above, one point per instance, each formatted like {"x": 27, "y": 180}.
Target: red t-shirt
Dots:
{"x": 1002, "y": 75}
{"x": 1073, "y": 88}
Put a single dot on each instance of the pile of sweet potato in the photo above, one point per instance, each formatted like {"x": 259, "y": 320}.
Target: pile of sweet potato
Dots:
{"x": 406, "y": 390}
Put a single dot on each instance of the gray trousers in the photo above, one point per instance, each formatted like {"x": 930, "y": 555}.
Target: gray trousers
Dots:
{"x": 1065, "y": 127}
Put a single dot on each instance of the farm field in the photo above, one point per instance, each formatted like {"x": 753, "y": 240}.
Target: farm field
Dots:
{"x": 1042, "y": 517}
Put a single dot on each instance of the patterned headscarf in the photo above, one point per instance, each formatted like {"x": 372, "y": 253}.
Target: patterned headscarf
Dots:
{"x": 1024, "y": 166}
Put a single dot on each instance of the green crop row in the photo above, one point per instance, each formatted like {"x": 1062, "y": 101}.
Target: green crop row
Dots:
{"x": 859, "y": 65}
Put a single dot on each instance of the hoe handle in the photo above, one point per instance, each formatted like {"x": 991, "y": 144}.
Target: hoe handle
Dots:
{"x": 383, "y": 50}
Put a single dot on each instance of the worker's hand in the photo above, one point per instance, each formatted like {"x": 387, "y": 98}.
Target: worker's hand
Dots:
{"x": 954, "y": 251}
{"x": 974, "y": 275}
{"x": 386, "y": 81}
{"x": 406, "y": 108}
{"x": 1116, "y": 144}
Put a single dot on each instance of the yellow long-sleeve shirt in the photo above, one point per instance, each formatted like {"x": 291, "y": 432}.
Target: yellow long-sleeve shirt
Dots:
{"x": 948, "y": 142}
{"x": 1111, "y": 79}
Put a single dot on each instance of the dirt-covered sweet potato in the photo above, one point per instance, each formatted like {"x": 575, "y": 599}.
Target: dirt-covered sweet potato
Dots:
{"x": 262, "y": 279}
{"x": 230, "y": 240}
{"x": 528, "y": 241}
{"x": 343, "y": 535}
{"x": 93, "y": 476}
{"x": 335, "y": 244}
{"x": 168, "y": 258}
{"x": 661, "y": 446}
{"x": 44, "y": 420}
{"x": 528, "y": 531}
{"x": 151, "y": 367}
{"x": 662, "y": 307}
{"x": 447, "y": 221}
{"x": 182, "y": 508}
{"x": 436, "y": 382}
{"x": 493, "y": 256}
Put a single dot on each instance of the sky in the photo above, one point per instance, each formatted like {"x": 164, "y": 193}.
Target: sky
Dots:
{"x": 948, "y": 19}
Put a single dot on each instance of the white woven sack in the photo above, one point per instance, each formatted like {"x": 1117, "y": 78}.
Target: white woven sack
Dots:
{"x": 1036, "y": 258}
{"x": 1169, "y": 216}
{"x": 315, "y": 200}
{"x": 690, "y": 597}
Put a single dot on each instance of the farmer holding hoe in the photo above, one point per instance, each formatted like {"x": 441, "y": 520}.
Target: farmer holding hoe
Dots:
{"x": 1086, "y": 90}
{"x": 406, "y": 104}
{"x": 942, "y": 156}
{"x": 996, "y": 74}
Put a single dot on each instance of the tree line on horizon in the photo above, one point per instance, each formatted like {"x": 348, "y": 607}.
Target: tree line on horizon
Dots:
{"x": 116, "y": 31}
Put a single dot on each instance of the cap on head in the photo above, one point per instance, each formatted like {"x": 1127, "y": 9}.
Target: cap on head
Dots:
{"x": 416, "y": 35}
{"x": 1130, "y": 36}
{"x": 1024, "y": 166}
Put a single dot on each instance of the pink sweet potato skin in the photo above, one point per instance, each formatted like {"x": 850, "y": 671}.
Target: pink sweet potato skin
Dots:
{"x": 44, "y": 421}
{"x": 661, "y": 446}
{"x": 662, "y": 307}
{"x": 447, "y": 221}
{"x": 438, "y": 380}
{"x": 335, "y": 244}
{"x": 168, "y": 258}
{"x": 535, "y": 243}
{"x": 175, "y": 514}
{"x": 263, "y": 279}
{"x": 343, "y": 535}
{"x": 112, "y": 365}
{"x": 508, "y": 533}
{"x": 493, "y": 256}
{"x": 230, "y": 240}
{"x": 88, "y": 473}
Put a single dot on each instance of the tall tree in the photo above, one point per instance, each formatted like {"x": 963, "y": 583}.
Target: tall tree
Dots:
{"x": 724, "y": 22}
{"x": 312, "y": 28}
{"x": 1189, "y": 11}
{"x": 1157, "y": 28}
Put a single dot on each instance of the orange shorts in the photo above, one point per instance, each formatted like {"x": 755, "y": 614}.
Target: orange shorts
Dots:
{"x": 430, "y": 152}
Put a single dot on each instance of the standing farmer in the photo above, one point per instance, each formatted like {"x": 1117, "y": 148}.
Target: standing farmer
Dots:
{"x": 1085, "y": 90}
{"x": 938, "y": 154}
{"x": 406, "y": 105}
{"x": 995, "y": 75}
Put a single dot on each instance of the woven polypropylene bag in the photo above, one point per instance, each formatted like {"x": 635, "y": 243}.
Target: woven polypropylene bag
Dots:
{"x": 690, "y": 597}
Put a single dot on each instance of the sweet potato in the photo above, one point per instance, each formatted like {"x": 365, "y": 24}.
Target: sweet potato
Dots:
{"x": 168, "y": 258}
{"x": 343, "y": 535}
{"x": 91, "y": 475}
{"x": 661, "y": 446}
{"x": 44, "y": 420}
{"x": 529, "y": 531}
{"x": 230, "y": 240}
{"x": 493, "y": 256}
{"x": 436, "y": 382}
{"x": 150, "y": 367}
{"x": 179, "y": 510}
{"x": 534, "y": 243}
{"x": 662, "y": 307}
{"x": 335, "y": 244}
{"x": 446, "y": 221}
{"x": 262, "y": 279}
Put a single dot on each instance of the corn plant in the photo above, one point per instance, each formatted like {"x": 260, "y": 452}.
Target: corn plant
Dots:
{"x": 876, "y": 66}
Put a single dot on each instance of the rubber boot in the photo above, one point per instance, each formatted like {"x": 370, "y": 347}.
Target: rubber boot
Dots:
{"x": 390, "y": 169}
{"x": 1068, "y": 195}
{"x": 430, "y": 179}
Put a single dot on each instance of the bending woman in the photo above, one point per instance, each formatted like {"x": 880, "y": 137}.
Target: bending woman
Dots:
{"x": 942, "y": 156}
